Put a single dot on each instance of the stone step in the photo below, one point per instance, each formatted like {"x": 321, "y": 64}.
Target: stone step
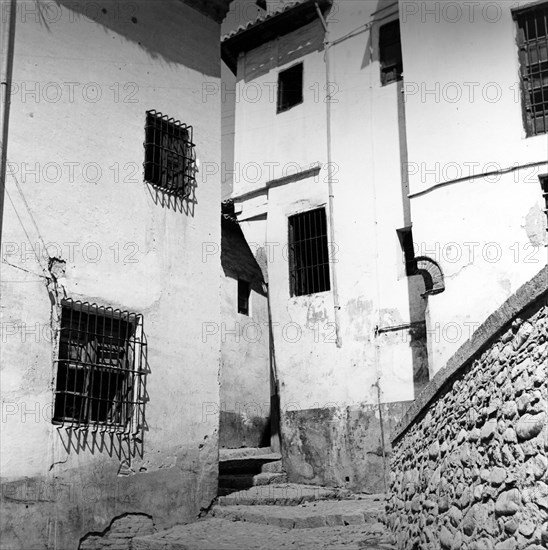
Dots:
{"x": 274, "y": 467}
{"x": 269, "y": 478}
{"x": 244, "y": 452}
{"x": 288, "y": 494}
{"x": 245, "y": 461}
{"x": 310, "y": 515}
{"x": 245, "y": 481}
{"x": 220, "y": 534}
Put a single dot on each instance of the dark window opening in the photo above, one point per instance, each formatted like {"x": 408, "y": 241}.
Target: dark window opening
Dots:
{"x": 532, "y": 26}
{"x": 405, "y": 236}
{"x": 100, "y": 368}
{"x": 244, "y": 290}
{"x": 308, "y": 253}
{"x": 290, "y": 87}
{"x": 390, "y": 55}
{"x": 169, "y": 154}
{"x": 544, "y": 185}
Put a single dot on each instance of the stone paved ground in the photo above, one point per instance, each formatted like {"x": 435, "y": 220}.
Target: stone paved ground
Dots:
{"x": 310, "y": 514}
{"x": 221, "y": 534}
{"x": 288, "y": 516}
{"x": 285, "y": 493}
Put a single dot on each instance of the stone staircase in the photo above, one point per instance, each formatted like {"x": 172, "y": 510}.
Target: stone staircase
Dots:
{"x": 258, "y": 510}
{"x": 281, "y": 516}
{"x": 301, "y": 507}
{"x": 240, "y": 469}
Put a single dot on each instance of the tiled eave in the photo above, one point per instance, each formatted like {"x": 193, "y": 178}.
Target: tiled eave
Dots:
{"x": 268, "y": 27}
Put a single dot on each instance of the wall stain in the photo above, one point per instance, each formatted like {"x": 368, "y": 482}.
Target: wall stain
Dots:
{"x": 535, "y": 226}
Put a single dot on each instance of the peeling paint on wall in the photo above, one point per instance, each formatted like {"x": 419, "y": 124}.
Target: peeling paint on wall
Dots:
{"x": 339, "y": 446}
{"x": 535, "y": 226}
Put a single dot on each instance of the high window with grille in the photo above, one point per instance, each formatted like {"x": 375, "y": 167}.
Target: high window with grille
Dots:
{"x": 308, "y": 253}
{"x": 290, "y": 87}
{"x": 390, "y": 55}
{"x": 169, "y": 154}
{"x": 100, "y": 368}
{"x": 532, "y": 26}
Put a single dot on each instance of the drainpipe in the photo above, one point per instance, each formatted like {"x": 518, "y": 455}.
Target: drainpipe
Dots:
{"x": 6, "y": 71}
{"x": 335, "y": 287}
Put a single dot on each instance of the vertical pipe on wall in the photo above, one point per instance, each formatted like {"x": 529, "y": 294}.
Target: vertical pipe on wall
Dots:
{"x": 335, "y": 287}
{"x": 7, "y": 37}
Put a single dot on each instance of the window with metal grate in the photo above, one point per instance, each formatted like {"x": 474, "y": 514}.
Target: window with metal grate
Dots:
{"x": 390, "y": 55}
{"x": 308, "y": 253}
{"x": 101, "y": 368}
{"x": 290, "y": 87}
{"x": 532, "y": 26}
{"x": 169, "y": 154}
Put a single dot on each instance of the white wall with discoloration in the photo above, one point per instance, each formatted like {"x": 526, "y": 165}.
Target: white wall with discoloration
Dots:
{"x": 127, "y": 251}
{"x": 464, "y": 118}
{"x": 315, "y": 374}
{"x": 245, "y": 347}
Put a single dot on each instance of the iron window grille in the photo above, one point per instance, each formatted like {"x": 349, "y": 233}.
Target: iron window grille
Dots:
{"x": 390, "y": 54}
{"x": 169, "y": 154}
{"x": 308, "y": 253}
{"x": 532, "y": 27}
{"x": 101, "y": 368}
{"x": 544, "y": 186}
{"x": 244, "y": 290}
{"x": 290, "y": 87}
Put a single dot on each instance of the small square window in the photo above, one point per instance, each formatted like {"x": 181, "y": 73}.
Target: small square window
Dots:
{"x": 244, "y": 291}
{"x": 390, "y": 53}
{"x": 169, "y": 154}
{"x": 308, "y": 253}
{"x": 100, "y": 368}
{"x": 532, "y": 26}
{"x": 290, "y": 87}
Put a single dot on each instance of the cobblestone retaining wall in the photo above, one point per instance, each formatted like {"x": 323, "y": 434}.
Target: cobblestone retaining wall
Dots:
{"x": 469, "y": 465}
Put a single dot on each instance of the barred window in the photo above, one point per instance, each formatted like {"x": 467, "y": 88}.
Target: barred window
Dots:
{"x": 308, "y": 253}
{"x": 532, "y": 26}
{"x": 290, "y": 87}
{"x": 390, "y": 53}
{"x": 169, "y": 154}
{"x": 100, "y": 368}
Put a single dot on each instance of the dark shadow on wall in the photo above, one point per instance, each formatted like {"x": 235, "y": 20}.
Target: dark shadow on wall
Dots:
{"x": 133, "y": 20}
{"x": 239, "y": 263}
{"x": 371, "y": 53}
{"x": 237, "y": 259}
{"x": 184, "y": 202}
{"x": 308, "y": 39}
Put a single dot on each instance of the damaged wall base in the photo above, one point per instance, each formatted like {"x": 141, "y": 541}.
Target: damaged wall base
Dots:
{"x": 340, "y": 446}
{"x": 119, "y": 534}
